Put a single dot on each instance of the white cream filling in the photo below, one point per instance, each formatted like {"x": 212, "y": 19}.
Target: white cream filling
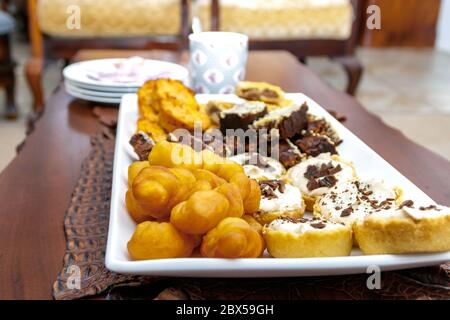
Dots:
{"x": 340, "y": 197}
{"x": 245, "y": 107}
{"x": 289, "y": 200}
{"x": 296, "y": 174}
{"x": 273, "y": 171}
{"x": 418, "y": 214}
{"x": 301, "y": 227}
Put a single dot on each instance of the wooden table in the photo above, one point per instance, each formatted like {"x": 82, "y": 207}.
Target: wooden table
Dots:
{"x": 35, "y": 188}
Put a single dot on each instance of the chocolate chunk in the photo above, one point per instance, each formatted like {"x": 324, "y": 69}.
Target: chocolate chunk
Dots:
{"x": 315, "y": 145}
{"x": 346, "y": 212}
{"x": 407, "y": 203}
{"x": 142, "y": 145}
{"x": 322, "y": 176}
{"x": 294, "y": 220}
{"x": 318, "y": 225}
{"x": 268, "y": 188}
{"x": 430, "y": 207}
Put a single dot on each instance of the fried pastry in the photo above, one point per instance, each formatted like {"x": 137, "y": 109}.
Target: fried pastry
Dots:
{"x": 159, "y": 240}
{"x": 175, "y": 114}
{"x": 201, "y": 212}
{"x": 152, "y": 129}
{"x": 260, "y": 91}
{"x": 232, "y": 238}
{"x": 279, "y": 199}
{"x": 158, "y": 190}
{"x": 316, "y": 176}
{"x": 404, "y": 229}
{"x": 290, "y": 238}
{"x": 134, "y": 169}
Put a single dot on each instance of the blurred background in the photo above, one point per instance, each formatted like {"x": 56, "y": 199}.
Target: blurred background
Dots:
{"x": 402, "y": 46}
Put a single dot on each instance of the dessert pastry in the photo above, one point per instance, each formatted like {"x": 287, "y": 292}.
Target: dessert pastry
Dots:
{"x": 313, "y": 144}
{"x": 153, "y": 129}
{"x": 279, "y": 199}
{"x": 404, "y": 229}
{"x": 301, "y": 238}
{"x": 241, "y": 115}
{"x": 260, "y": 91}
{"x": 174, "y": 114}
{"x": 352, "y": 200}
{"x": 213, "y": 108}
{"x": 142, "y": 145}
{"x": 320, "y": 126}
{"x": 159, "y": 240}
{"x": 232, "y": 238}
{"x": 259, "y": 167}
{"x": 288, "y": 154}
{"x": 288, "y": 121}
{"x": 316, "y": 176}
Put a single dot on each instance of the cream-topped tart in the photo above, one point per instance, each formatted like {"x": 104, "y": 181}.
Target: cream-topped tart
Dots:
{"x": 404, "y": 229}
{"x": 279, "y": 199}
{"x": 259, "y": 167}
{"x": 302, "y": 238}
{"x": 352, "y": 200}
{"x": 316, "y": 176}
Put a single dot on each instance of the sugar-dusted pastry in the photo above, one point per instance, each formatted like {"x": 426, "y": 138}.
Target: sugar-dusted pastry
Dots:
{"x": 259, "y": 167}
{"x": 289, "y": 121}
{"x": 352, "y": 200}
{"x": 260, "y": 91}
{"x": 316, "y": 176}
{"x": 279, "y": 199}
{"x": 301, "y": 238}
{"x": 241, "y": 115}
{"x": 405, "y": 229}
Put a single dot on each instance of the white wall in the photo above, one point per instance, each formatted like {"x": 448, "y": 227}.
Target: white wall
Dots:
{"x": 443, "y": 30}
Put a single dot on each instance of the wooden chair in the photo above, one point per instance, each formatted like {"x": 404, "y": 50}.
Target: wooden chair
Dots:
{"x": 342, "y": 51}
{"x": 7, "y": 76}
{"x": 63, "y": 44}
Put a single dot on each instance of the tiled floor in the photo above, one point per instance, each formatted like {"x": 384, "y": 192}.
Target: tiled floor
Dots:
{"x": 408, "y": 88}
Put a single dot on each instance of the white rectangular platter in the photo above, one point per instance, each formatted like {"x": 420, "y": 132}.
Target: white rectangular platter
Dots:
{"x": 368, "y": 165}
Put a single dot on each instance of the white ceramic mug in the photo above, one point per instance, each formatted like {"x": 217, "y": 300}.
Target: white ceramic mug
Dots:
{"x": 217, "y": 61}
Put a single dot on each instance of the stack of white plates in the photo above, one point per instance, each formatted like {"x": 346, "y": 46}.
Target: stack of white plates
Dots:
{"x": 107, "y": 80}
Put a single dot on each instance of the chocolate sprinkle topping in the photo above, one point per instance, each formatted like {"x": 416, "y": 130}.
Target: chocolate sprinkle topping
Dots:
{"x": 430, "y": 207}
{"x": 318, "y": 225}
{"x": 346, "y": 212}
{"x": 407, "y": 203}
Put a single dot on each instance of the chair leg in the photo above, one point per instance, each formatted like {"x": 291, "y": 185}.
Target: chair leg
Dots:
{"x": 11, "y": 110}
{"x": 33, "y": 72}
{"x": 353, "y": 69}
